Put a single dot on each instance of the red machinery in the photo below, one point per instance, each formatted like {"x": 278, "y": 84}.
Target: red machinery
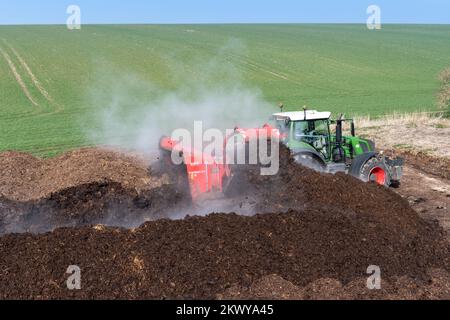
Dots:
{"x": 206, "y": 174}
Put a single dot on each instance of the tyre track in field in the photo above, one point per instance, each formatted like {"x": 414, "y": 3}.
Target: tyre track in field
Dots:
{"x": 273, "y": 73}
{"x": 38, "y": 85}
{"x": 18, "y": 78}
{"x": 252, "y": 64}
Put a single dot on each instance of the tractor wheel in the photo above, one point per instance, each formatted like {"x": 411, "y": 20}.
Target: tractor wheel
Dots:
{"x": 375, "y": 170}
{"x": 308, "y": 160}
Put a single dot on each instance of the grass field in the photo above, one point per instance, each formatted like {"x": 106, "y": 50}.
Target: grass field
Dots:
{"x": 48, "y": 75}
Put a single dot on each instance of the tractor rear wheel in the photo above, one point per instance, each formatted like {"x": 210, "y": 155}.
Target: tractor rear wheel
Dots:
{"x": 375, "y": 170}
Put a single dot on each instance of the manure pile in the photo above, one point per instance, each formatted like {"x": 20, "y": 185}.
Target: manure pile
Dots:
{"x": 314, "y": 235}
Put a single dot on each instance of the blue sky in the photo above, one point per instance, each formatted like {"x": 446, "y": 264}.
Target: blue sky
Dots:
{"x": 223, "y": 11}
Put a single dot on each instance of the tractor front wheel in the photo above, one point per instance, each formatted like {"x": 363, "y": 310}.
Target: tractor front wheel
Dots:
{"x": 375, "y": 170}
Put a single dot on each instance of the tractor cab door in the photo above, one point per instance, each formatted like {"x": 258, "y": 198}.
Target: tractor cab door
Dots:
{"x": 315, "y": 133}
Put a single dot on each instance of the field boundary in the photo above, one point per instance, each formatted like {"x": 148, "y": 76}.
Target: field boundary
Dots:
{"x": 405, "y": 115}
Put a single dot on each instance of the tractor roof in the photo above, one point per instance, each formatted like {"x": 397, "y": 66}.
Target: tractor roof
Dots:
{"x": 300, "y": 115}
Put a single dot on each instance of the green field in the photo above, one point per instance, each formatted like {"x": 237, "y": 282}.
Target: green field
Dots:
{"x": 69, "y": 74}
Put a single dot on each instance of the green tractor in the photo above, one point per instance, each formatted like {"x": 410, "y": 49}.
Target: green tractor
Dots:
{"x": 317, "y": 141}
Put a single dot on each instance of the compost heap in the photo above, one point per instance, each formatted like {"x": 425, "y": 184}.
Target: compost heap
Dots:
{"x": 315, "y": 236}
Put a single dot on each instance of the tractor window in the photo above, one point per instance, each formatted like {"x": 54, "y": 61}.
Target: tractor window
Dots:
{"x": 321, "y": 127}
{"x": 300, "y": 129}
{"x": 310, "y": 128}
{"x": 315, "y": 133}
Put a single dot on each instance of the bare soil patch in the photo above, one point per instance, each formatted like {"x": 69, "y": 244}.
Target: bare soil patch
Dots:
{"x": 419, "y": 133}
{"x": 436, "y": 166}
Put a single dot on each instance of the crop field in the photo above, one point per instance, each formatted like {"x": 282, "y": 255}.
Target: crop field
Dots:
{"x": 53, "y": 80}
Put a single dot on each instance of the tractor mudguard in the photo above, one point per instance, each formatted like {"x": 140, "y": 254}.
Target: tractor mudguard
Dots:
{"x": 359, "y": 161}
{"x": 371, "y": 144}
{"x": 319, "y": 162}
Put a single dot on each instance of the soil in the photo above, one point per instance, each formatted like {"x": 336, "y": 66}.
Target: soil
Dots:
{"x": 202, "y": 257}
{"x": 82, "y": 187}
{"x": 104, "y": 202}
{"x": 428, "y": 195}
{"x": 315, "y": 236}
{"x": 25, "y": 177}
{"x": 431, "y": 165}
{"x": 404, "y": 288}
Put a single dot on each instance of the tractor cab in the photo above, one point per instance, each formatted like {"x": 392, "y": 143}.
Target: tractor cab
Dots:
{"x": 315, "y": 132}
{"x": 308, "y": 129}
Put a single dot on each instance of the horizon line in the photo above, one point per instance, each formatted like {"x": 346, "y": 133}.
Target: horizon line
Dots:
{"x": 224, "y": 23}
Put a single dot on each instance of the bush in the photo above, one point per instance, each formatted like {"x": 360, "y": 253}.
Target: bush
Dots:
{"x": 444, "y": 77}
{"x": 444, "y": 93}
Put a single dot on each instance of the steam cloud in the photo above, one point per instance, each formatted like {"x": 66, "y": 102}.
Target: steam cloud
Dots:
{"x": 133, "y": 112}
